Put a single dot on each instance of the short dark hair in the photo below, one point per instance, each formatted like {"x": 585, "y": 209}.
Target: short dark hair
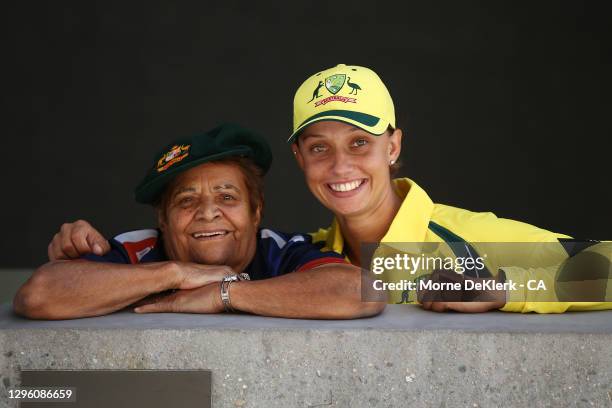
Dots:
{"x": 253, "y": 179}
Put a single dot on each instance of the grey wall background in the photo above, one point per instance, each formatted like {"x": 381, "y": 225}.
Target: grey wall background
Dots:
{"x": 505, "y": 106}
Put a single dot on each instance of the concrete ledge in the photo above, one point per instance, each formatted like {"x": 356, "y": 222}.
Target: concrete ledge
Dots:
{"x": 405, "y": 357}
{"x": 395, "y": 317}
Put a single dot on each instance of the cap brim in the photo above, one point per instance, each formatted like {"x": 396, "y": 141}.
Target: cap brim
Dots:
{"x": 369, "y": 123}
{"x": 148, "y": 192}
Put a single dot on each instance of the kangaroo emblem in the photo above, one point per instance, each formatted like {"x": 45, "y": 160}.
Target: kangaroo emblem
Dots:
{"x": 404, "y": 298}
{"x": 315, "y": 94}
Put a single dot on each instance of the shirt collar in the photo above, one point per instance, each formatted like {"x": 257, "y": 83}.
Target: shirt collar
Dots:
{"x": 411, "y": 221}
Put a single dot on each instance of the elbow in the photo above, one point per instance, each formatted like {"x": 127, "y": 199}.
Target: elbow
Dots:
{"x": 364, "y": 303}
{"x": 358, "y": 309}
{"x": 29, "y": 301}
{"x": 369, "y": 309}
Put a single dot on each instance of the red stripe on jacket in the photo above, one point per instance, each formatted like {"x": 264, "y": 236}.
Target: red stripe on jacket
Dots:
{"x": 320, "y": 261}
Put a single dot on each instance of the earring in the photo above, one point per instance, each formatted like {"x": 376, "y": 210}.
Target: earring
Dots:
{"x": 295, "y": 152}
{"x": 391, "y": 162}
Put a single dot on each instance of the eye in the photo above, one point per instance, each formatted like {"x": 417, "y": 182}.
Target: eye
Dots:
{"x": 318, "y": 148}
{"x": 185, "y": 201}
{"x": 227, "y": 197}
{"x": 359, "y": 143}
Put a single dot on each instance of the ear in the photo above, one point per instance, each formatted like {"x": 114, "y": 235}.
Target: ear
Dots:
{"x": 295, "y": 150}
{"x": 257, "y": 219}
{"x": 395, "y": 144}
{"x": 161, "y": 219}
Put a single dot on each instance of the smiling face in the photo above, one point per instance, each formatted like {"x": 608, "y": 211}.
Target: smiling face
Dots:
{"x": 206, "y": 217}
{"x": 347, "y": 168}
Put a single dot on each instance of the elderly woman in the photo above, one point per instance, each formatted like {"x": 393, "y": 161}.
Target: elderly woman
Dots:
{"x": 209, "y": 250}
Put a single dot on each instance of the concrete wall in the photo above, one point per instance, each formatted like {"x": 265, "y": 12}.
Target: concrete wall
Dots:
{"x": 405, "y": 357}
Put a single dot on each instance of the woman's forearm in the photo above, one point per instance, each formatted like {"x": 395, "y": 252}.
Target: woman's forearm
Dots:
{"x": 71, "y": 289}
{"x": 327, "y": 292}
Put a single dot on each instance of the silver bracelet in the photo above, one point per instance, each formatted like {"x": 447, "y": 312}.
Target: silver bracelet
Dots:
{"x": 225, "y": 296}
{"x": 225, "y": 288}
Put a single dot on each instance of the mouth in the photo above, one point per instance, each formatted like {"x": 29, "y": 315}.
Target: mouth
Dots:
{"x": 346, "y": 188}
{"x": 209, "y": 235}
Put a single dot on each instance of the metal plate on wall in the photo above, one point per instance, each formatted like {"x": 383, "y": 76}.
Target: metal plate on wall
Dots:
{"x": 124, "y": 388}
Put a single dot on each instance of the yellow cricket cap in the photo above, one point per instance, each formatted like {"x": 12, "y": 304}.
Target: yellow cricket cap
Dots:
{"x": 346, "y": 93}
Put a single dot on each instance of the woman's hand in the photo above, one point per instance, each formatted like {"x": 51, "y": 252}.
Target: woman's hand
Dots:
{"x": 76, "y": 239}
{"x": 192, "y": 275}
{"x": 206, "y": 299}
{"x": 444, "y": 301}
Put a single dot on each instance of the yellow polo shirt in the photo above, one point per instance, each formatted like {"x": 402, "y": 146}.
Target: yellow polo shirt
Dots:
{"x": 421, "y": 220}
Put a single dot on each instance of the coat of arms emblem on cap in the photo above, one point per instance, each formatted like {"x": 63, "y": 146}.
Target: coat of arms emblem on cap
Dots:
{"x": 174, "y": 155}
{"x": 335, "y": 82}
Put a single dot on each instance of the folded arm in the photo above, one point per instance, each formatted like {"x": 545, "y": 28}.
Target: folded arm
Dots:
{"x": 331, "y": 291}
{"x": 328, "y": 292}
{"x": 72, "y": 289}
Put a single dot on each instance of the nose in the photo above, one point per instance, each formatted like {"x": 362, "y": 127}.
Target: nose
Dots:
{"x": 342, "y": 163}
{"x": 208, "y": 210}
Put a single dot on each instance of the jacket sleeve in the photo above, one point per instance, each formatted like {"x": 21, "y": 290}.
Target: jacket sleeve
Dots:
{"x": 547, "y": 259}
{"x": 583, "y": 281}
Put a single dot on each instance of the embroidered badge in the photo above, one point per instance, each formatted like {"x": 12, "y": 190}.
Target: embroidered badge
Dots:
{"x": 335, "y": 83}
{"x": 174, "y": 155}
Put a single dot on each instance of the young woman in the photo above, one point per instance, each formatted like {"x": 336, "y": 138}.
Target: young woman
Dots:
{"x": 346, "y": 142}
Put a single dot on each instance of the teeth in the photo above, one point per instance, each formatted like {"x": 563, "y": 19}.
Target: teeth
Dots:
{"x": 346, "y": 186}
{"x": 207, "y": 234}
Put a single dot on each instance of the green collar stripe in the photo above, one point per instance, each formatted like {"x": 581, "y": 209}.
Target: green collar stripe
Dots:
{"x": 363, "y": 118}
{"x": 443, "y": 233}
{"x": 459, "y": 246}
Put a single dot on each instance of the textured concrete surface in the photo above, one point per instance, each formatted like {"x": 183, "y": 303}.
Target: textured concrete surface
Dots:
{"x": 406, "y": 357}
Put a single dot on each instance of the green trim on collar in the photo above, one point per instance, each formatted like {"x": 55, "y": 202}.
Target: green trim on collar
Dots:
{"x": 443, "y": 233}
{"x": 459, "y": 246}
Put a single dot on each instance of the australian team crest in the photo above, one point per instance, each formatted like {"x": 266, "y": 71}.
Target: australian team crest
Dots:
{"x": 174, "y": 155}
{"x": 335, "y": 82}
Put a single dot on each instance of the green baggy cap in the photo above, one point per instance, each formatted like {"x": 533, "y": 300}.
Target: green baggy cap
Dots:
{"x": 226, "y": 140}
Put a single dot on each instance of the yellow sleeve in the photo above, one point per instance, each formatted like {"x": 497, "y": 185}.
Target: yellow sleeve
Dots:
{"x": 476, "y": 227}
{"x": 479, "y": 228}
{"x": 590, "y": 280}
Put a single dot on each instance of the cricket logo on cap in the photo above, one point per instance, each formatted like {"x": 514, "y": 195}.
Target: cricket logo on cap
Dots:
{"x": 335, "y": 83}
{"x": 174, "y": 155}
